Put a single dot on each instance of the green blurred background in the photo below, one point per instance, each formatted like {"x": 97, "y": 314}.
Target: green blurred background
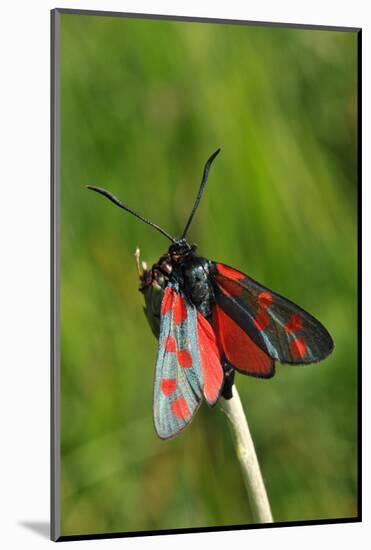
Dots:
{"x": 143, "y": 104}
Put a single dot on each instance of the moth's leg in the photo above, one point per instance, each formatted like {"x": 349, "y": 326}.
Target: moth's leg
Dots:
{"x": 161, "y": 270}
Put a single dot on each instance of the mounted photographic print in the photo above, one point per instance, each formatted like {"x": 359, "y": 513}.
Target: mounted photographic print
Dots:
{"x": 205, "y": 313}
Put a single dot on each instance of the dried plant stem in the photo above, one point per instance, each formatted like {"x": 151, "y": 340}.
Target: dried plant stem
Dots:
{"x": 248, "y": 460}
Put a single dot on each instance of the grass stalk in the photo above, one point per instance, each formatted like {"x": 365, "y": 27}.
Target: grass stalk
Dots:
{"x": 248, "y": 459}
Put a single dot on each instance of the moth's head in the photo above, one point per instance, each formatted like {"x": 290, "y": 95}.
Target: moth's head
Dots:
{"x": 181, "y": 248}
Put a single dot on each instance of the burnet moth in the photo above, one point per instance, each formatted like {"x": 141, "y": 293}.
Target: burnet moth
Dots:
{"x": 212, "y": 320}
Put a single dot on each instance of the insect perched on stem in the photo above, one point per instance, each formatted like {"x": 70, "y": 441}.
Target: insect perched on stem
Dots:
{"x": 212, "y": 320}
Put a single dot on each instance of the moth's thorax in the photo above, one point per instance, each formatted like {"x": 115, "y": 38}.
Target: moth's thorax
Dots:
{"x": 193, "y": 275}
{"x": 190, "y": 272}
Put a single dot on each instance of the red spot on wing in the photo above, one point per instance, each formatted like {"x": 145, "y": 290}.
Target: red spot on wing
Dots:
{"x": 180, "y": 310}
{"x": 262, "y": 319}
{"x": 167, "y": 301}
{"x": 184, "y": 358}
{"x": 265, "y": 299}
{"x": 294, "y": 323}
{"x": 238, "y": 347}
{"x": 210, "y": 360}
{"x": 180, "y": 408}
{"x": 229, "y": 272}
{"x": 298, "y": 348}
{"x": 168, "y": 385}
{"x": 170, "y": 344}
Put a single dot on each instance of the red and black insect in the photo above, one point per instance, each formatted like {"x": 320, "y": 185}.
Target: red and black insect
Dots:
{"x": 213, "y": 320}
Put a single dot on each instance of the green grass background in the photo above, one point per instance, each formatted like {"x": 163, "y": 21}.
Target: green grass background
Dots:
{"x": 143, "y": 104}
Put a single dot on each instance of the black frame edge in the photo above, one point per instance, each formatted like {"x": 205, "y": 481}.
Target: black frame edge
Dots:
{"x": 131, "y": 534}
{"x": 359, "y": 268}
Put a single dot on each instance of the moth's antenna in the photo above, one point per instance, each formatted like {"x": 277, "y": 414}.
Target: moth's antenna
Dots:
{"x": 116, "y": 201}
{"x": 200, "y": 191}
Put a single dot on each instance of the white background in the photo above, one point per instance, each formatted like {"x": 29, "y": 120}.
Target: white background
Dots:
{"x": 24, "y": 268}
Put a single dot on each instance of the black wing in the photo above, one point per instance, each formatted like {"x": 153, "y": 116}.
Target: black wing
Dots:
{"x": 280, "y": 328}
